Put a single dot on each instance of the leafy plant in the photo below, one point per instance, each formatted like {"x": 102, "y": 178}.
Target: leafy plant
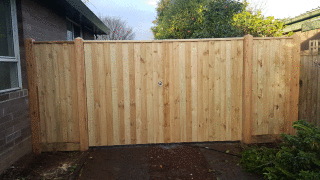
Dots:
{"x": 298, "y": 157}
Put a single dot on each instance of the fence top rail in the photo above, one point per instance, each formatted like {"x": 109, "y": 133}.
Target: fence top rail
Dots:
{"x": 266, "y": 38}
{"x": 182, "y": 40}
{"x": 164, "y": 40}
{"x": 160, "y": 41}
{"x": 53, "y": 42}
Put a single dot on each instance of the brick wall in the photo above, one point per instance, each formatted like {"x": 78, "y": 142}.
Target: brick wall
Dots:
{"x": 15, "y": 131}
{"x": 39, "y": 23}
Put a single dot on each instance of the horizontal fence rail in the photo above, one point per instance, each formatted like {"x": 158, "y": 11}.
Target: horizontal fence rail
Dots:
{"x": 138, "y": 92}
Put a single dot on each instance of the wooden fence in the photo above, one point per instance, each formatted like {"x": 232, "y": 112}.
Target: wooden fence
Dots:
{"x": 309, "y": 98}
{"x": 130, "y": 92}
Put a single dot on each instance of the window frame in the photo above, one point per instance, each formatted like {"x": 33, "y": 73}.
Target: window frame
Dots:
{"x": 74, "y": 24}
{"x": 16, "y": 49}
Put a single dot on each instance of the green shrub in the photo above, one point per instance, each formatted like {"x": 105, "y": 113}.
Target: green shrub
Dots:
{"x": 298, "y": 157}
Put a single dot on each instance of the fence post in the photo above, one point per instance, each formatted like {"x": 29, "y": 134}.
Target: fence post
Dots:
{"x": 247, "y": 89}
{"x": 82, "y": 96}
{"x": 294, "y": 84}
{"x": 33, "y": 96}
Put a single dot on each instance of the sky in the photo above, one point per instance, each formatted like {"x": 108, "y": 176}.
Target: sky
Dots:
{"x": 139, "y": 14}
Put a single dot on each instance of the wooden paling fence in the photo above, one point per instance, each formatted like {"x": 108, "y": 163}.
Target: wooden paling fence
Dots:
{"x": 102, "y": 93}
{"x": 309, "y": 99}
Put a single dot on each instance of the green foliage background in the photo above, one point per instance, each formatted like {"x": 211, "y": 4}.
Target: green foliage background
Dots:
{"x": 181, "y": 19}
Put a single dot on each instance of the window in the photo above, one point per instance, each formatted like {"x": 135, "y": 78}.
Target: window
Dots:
{"x": 10, "y": 73}
{"x": 73, "y": 30}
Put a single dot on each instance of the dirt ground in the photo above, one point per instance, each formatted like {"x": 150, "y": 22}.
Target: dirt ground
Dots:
{"x": 165, "y": 161}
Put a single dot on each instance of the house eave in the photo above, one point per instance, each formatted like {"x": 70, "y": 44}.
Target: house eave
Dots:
{"x": 88, "y": 14}
{"x": 305, "y": 16}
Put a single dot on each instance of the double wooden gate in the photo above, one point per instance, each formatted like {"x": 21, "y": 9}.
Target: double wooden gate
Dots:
{"x": 101, "y": 93}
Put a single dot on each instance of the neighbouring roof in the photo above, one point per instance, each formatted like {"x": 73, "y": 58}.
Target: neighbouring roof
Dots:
{"x": 78, "y": 12}
{"x": 304, "y": 22}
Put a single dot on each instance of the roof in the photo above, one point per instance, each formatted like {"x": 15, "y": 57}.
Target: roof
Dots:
{"x": 78, "y": 12}
{"x": 87, "y": 13}
{"x": 304, "y": 22}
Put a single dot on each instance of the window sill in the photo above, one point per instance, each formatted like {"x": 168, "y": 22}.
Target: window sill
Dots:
{"x": 13, "y": 94}
{"x": 9, "y": 90}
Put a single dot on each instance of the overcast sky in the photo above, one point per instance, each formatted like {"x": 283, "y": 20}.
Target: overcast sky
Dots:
{"x": 140, "y": 13}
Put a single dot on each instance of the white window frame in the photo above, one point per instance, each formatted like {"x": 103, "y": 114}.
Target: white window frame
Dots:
{"x": 16, "y": 49}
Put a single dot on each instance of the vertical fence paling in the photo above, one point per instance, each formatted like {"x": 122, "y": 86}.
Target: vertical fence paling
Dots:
{"x": 162, "y": 91}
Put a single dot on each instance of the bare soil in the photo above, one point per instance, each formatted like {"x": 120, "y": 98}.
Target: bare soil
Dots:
{"x": 165, "y": 161}
{"x": 55, "y": 165}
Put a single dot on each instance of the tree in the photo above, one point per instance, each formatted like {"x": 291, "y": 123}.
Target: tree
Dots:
{"x": 180, "y": 19}
{"x": 218, "y": 19}
{"x": 258, "y": 25}
{"x": 118, "y": 29}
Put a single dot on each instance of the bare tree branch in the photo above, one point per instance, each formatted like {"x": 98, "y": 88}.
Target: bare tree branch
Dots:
{"x": 256, "y": 6}
{"x": 118, "y": 29}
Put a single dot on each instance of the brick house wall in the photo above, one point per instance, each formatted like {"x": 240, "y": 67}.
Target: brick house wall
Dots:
{"x": 15, "y": 131}
{"x": 42, "y": 24}
{"x": 39, "y": 23}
